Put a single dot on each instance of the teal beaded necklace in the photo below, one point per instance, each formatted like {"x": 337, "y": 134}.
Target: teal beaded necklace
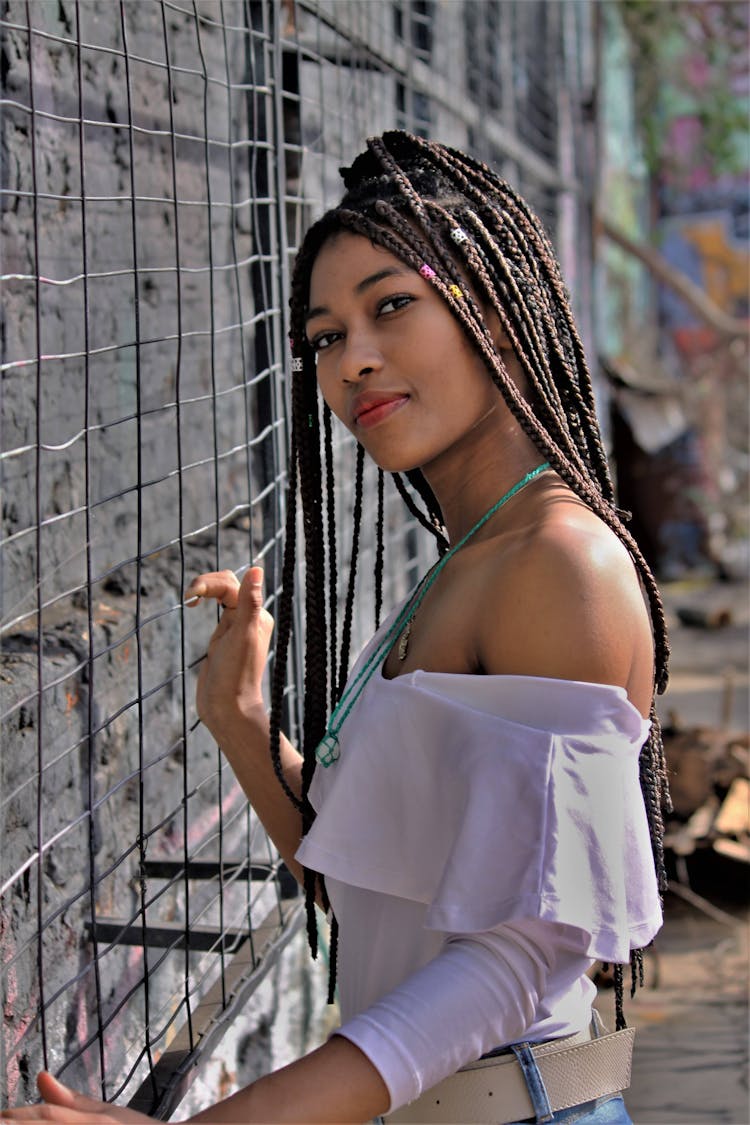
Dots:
{"x": 328, "y": 748}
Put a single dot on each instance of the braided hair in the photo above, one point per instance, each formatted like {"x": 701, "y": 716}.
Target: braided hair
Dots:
{"x": 430, "y": 204}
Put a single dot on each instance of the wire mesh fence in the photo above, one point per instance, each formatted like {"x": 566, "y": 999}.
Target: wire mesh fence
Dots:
{"x": 161, "y": 161}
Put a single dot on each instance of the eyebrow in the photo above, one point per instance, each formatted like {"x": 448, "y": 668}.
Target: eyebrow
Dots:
{"x": 361, "y": 287}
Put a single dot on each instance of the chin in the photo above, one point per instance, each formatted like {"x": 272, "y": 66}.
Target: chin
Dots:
{"x": 394, "y": 463}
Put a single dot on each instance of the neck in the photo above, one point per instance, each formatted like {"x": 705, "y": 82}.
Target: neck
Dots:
{"x": 467, "y": 481}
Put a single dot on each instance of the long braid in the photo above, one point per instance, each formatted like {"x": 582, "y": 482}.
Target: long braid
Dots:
{"x": 316, "y": 647}
{"x": 485, "y": 181}
{"x": 333, "y": 957}
{"x": 346, "y": 632}
{"x": 427, "y": 523}
{"x": 333, "y": 596}
{"x": 284, "y": 626}
{"x": 409, "y": 195}
{"x": 618, "y": 976}
{"x": 417, "y": 480}
{"x": 379, "y": 548}
{"x": 636, "y": 971}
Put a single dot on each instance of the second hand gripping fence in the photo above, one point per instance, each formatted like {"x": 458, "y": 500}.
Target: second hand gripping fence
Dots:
{"x": 161, "y": 161}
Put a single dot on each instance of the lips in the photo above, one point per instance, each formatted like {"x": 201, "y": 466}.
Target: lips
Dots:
{"x": 372, "y": 407}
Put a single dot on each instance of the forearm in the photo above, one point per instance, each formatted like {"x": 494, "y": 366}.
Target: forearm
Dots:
{"x": 333, "y": 1085}
{"x": 245, "y": 744}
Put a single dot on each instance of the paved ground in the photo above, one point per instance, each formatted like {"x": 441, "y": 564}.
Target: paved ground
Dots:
{"x": 709, "y": 667}
{"x": 691, "y": 1065}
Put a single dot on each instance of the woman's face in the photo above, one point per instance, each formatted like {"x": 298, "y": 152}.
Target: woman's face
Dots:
{"x": 392, "y": 362}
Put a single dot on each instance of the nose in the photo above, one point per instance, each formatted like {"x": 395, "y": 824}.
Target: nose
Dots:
{"x": 360, "y": 358}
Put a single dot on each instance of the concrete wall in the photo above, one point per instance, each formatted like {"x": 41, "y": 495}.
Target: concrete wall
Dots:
{"x": 112, "y": 496}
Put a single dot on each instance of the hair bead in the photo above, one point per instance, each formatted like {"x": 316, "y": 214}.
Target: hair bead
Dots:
{"x": 456, "y": 292}
{"x": 459, "y": 235}
{"x": 427, "y": 272}
{"x": 296, "y": 363}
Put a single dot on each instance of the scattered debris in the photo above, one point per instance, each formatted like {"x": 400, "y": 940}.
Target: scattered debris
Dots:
{"x": 704, "y": 618}
{"x": 709, "y": 776}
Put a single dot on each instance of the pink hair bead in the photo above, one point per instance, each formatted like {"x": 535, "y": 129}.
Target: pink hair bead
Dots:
{"x": 426, "y": 271}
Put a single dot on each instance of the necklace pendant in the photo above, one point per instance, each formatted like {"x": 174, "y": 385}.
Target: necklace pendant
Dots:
{"x": 328, "y": 750}
{"x": 403, "y": 644}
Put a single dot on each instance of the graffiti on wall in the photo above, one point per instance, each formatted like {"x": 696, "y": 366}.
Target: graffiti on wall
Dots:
{"x": 704, "y": 226}
{"x": 712, "y": 249}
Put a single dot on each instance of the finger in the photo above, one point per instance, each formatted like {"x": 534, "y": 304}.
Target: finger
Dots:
{"x": 55, "y": 1092}
{"x": 43, "y": 1114}
{"x": 52, "y": 1090}
{"x": 221, "y": 585}
{"x": 68, "y": 1107}
{"x": 250, "y": 596}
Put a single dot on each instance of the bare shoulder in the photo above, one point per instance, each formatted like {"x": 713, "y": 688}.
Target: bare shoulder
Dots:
{"x": 563, "y": 600}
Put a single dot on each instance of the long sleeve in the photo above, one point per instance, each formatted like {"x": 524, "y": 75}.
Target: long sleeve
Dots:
{"x": 481, "y": 991}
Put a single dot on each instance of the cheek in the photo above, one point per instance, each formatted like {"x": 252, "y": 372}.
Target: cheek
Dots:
{"x": 330, "y": 391}
{"x": 325, "y": 386}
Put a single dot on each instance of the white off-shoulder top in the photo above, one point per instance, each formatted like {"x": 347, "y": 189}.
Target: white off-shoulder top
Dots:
{"x": 484, "y": 839}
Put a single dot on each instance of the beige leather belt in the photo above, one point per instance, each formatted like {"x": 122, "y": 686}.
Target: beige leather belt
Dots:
{"x": 493, "y": 1091}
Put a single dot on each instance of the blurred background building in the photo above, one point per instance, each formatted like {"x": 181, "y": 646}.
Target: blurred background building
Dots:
{"x": 674, "y": 253}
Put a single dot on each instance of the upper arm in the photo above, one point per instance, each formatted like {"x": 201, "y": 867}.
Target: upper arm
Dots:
{"x": 568, "y": 605}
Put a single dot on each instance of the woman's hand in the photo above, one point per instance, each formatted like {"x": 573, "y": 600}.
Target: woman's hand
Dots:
{"x": 231, "y": 676}
{"x": 69, "y": 1108}
{"x": 230, "y": 702}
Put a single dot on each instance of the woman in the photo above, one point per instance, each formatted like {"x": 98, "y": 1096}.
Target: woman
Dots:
{"x": 475, "y": 821}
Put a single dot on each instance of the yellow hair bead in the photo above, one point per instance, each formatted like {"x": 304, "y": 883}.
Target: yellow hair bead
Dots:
{"x": 454, "y": 289}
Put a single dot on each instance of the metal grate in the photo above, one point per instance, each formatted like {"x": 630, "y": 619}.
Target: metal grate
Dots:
{"x": 160, "y": 164}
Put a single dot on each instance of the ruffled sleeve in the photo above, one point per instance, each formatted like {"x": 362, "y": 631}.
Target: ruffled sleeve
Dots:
{"x": 490, "y": 799}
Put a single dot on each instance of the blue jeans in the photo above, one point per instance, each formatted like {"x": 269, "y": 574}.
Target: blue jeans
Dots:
{"x": 609, "y": 1110}
{"x": 604, "y": 1111}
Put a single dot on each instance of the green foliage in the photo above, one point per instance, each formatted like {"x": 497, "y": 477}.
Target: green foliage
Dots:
{"x": 690, "y": 57}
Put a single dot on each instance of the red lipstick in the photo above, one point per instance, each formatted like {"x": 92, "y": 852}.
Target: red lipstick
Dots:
{"x": 372, "y": 407}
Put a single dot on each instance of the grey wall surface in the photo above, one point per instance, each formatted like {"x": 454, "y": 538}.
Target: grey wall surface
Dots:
{"x": 133, "y": 419}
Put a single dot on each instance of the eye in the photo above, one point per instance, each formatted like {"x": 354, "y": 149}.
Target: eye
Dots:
{"x": 393, "y": 304}
{"x": 323, "y": 340}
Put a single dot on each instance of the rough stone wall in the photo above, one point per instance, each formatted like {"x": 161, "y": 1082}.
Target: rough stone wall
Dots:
{"x": 130, "y": 392}
{"x": 150, "y": 340}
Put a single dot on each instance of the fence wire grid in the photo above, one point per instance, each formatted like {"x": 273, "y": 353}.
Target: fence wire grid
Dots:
{"x": 160, "y": 162}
